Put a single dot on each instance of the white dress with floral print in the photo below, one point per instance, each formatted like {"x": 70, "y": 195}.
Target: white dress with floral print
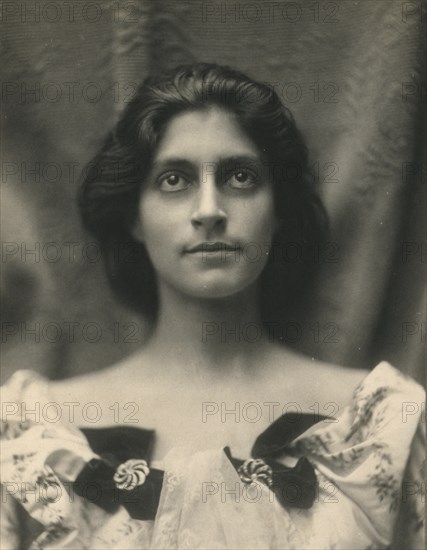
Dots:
{"x": 369, "y": 468}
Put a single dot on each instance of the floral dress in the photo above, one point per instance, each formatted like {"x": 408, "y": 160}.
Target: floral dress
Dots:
{"x": 358, "y": 480}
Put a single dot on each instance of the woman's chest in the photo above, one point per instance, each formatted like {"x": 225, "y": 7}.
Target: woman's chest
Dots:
{"x": 209, "y": 418}
{"x": 191, "y": 413}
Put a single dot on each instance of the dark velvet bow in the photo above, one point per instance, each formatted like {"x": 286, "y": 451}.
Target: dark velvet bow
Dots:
{"x": 115, "y": 446}
{"x": 95, "y": 483}
{"x": 292, "y": 486}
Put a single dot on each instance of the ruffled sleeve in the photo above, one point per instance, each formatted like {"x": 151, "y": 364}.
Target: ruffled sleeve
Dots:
{"x": 370, "y": 462}
{"x": 41, "y": 456}
{"x": 28, "y": 440}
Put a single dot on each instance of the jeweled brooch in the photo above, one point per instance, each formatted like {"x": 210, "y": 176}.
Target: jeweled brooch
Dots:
{"x": 131, "y": 474}
{"x": 255, "y": 469}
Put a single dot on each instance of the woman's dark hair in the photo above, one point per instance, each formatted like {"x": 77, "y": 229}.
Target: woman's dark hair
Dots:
{"x": 109, "y": 195}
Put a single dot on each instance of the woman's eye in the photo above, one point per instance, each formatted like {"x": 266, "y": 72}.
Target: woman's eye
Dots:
{"x": 173, "y": 182}
{"x": 242, "y": 179}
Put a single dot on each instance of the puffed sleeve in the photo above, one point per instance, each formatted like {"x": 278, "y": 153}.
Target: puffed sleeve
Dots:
{"x": 28, "y": 441}
{"x": 369, "y": 463}
{"x": 42, "y": 456}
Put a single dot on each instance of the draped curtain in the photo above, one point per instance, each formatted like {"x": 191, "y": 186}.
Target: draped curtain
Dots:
{"x": 352, "y": 73}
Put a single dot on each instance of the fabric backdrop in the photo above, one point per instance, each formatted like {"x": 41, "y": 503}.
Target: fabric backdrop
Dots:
{"x": 352, "y": 72}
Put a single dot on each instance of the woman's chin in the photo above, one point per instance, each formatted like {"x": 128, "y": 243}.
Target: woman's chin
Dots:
{"x": 217, "y": 287}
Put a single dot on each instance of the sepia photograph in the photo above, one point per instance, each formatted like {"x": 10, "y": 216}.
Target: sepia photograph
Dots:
{"x": 213, "y": 274}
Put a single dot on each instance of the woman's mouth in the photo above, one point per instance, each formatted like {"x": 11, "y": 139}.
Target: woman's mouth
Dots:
{"x": 212, "y": 247}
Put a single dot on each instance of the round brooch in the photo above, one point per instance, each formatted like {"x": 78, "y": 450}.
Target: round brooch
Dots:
{"x": 131, "y": 474}
{"x": 255, "y": 469}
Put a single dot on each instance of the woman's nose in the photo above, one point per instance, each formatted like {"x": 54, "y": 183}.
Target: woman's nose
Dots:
{"x": 208, "y": 211}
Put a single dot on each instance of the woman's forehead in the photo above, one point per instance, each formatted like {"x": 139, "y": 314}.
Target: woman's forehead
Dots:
{"x": 199, "y": 136}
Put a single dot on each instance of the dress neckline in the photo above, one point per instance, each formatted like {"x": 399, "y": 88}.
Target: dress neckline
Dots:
{"x": 128, "y": 450}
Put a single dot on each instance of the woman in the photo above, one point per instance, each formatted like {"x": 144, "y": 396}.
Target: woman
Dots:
{"x": 222, "y": 440}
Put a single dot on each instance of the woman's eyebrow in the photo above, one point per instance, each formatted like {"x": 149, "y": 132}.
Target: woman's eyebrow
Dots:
{"x": 239, "y": 161}
{"x": 176, "y": 162}
{"x": 220, "y": 163}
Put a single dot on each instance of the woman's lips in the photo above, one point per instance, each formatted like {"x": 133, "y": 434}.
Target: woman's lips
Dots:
{"x": 210, "y": 247}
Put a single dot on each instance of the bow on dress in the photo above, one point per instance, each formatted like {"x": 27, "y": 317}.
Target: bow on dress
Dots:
{"x": 124, "y": 478}
{"x": 108, "y": 466}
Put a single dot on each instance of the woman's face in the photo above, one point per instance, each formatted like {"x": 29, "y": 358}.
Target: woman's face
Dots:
{"x": 206, "y": 212}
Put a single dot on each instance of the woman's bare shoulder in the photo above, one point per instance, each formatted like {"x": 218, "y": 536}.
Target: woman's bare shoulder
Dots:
{"x": 100, "y": 384}
{"x": 319, "y": 381}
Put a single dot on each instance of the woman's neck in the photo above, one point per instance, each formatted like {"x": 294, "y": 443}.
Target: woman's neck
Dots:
{"x": 218, "y": 334}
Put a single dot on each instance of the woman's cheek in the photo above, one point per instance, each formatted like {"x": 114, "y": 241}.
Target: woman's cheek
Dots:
{"x": 260, "y": 222}
{"x": 154, "y": 217}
